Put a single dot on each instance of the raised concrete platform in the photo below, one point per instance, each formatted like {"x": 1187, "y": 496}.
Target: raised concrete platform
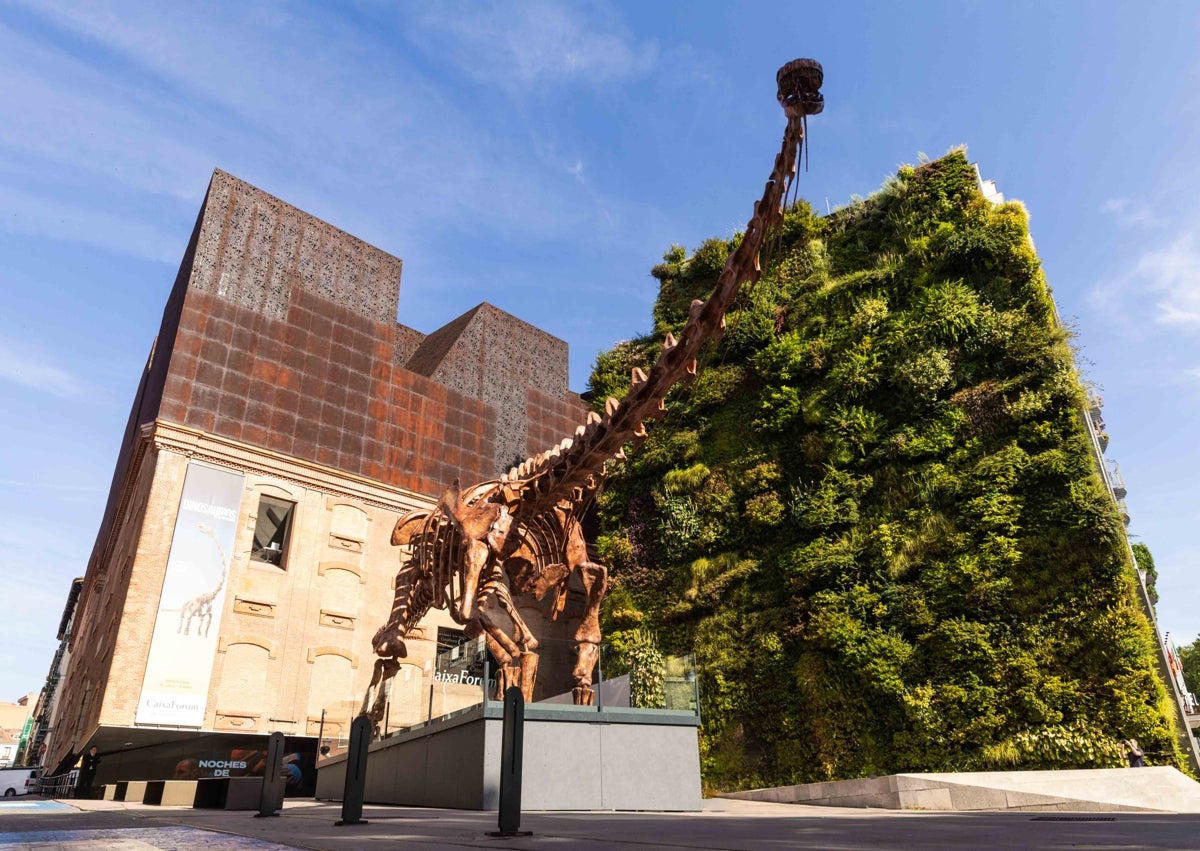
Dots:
{"x": 576, "y": 758}
{"x": 1155, "y": 789}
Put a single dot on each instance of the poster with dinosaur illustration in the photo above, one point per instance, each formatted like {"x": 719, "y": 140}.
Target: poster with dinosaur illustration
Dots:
{"x": 188, "y": 624}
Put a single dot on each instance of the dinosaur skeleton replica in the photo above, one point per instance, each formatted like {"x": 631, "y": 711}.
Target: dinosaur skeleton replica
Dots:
{"x": 520, "y": 535}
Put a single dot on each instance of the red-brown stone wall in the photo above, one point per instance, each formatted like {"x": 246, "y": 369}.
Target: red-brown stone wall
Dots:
{"x": 552, "y": 418}
{"x": 322, "y": 385}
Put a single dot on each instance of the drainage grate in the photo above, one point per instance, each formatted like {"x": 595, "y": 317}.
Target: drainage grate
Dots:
{"x": 1073, "y": 818}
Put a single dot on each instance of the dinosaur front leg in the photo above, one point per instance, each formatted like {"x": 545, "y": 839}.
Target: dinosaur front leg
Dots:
{"x": 523, "y": 636}
{"x": 376, "y": 675}
{"x": 508, "y": 674}
{"x": 385, "y": 669}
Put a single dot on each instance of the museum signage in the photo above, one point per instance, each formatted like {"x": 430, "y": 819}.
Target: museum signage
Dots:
{"x": 188, "y": 624}
{"x": 462, "y": 678}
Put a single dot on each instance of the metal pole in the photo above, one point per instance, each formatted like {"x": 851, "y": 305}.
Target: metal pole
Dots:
{"x": 321, "y": 733}
{"x": 356, "y": 772}
{"x": 271, "y": 797}
{"x": 599, "y": 677}
{"x": 512, "y": 748}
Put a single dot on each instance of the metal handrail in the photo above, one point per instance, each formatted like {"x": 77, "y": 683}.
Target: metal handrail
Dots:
{"x": 59, "y": 785}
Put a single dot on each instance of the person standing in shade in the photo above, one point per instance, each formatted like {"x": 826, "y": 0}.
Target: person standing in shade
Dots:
{"x": 87, "y": 769}
{"x": 1134, "y": 754}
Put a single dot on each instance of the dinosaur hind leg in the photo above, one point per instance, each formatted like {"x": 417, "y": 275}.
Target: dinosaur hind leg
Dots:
{"x": 587, "y": 635}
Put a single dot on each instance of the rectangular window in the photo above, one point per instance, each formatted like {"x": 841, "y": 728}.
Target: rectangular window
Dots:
{"x": 452, "y": 640}
{"x": 271, "y": 529}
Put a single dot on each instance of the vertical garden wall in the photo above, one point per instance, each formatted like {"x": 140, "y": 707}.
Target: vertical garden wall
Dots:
{"x": 874, "y": 515}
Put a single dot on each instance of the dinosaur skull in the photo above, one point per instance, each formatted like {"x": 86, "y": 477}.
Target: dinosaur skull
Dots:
{"x": 799, "y": 88}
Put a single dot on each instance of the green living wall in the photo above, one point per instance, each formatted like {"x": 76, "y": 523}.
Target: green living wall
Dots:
{"x": 874, "y": 515}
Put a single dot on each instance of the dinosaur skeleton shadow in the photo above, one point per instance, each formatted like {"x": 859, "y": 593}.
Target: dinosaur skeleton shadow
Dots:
{"x": 520, "y": 535}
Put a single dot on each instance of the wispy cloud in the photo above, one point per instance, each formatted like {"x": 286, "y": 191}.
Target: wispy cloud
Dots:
{"x": 1129, "y": 213}
{"x": 1165, "y": 279}
{"x": 1173, "y": 272}
{"x": 44, "y": 214}
{"x": 28, "y": 370}
{"x": 25, "y": 484}
{"x": 219, "y": 87}
{"x": 534, "y": 45}
{"x": 61, "y": 114}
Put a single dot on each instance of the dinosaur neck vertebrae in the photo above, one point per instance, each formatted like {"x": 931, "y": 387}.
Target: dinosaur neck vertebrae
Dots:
{"x": 520, "y": 536}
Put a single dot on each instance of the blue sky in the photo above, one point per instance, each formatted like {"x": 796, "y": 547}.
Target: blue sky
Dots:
{"x": 542, "y": 156}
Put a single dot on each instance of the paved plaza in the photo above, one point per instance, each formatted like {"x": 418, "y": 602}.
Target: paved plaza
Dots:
{"x": 724, "y": 825}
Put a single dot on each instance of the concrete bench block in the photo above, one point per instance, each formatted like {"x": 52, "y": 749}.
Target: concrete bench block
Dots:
{"x": 135, "y": 791}
{"x": 228, "y": 793}
{"x": 171, "y": 793}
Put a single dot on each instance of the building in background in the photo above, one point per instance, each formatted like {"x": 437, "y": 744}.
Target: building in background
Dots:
{"x": 34, "y": 748}
{"x": 15, "y": 724}
{"x": 282, "y": 424}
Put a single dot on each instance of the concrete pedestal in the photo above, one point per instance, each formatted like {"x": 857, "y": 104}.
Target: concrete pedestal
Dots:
{"x": 576, "y": 758}
{"x": 135, "y": 791}
{"x": 171, "y": 793}
{"x": 228, "y": 793}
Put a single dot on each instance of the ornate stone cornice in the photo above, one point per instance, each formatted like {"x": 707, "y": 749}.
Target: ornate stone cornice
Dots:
{"x": 224, "y": 452}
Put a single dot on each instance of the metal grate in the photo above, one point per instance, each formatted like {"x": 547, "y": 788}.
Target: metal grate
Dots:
{"x": 1073, "y": 818}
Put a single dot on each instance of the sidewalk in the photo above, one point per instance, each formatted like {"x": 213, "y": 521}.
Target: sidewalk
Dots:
{"x": 724, "y": 824}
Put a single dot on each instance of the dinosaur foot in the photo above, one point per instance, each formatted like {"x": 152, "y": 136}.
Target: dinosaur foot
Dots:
{"x": 529, "y": 666}
{"x": 584, "y": 695}
{"x": 507, "y": 677}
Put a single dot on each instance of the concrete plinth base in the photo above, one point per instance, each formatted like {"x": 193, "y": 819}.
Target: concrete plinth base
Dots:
{"x": 1154, "y": 789}
{"x": 228, "y": 793}
{"x": 171, "y": 793}
{"x": 576, "y": 758}
{"x": 135, "y": 791}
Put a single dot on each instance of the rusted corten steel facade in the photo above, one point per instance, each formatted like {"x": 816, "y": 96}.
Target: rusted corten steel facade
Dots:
{"x": 288, "y": 340}
{"x": 280, "y": 358}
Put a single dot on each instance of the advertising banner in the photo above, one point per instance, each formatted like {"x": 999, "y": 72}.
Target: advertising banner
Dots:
{"x": 188, "y": 624}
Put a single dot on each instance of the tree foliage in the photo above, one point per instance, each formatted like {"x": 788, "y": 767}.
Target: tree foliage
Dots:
{"x": 1189, "y": 657}
{"x": 874, "y": 515}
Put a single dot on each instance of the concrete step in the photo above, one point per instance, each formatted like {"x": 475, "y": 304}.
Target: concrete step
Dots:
{"x": 1152, "y": 789}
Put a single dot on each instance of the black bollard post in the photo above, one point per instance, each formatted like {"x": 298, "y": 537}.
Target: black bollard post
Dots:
{"x": 271, "y": 797}
{"x": 512, "y": 749}
{"x": 356, "y": 772}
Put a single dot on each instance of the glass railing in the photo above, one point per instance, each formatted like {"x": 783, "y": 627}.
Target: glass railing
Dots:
{"x": 463, "y": 677}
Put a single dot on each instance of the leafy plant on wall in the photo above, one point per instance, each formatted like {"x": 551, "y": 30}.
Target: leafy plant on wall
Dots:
{"x": 874, "y": 515}
{"x": 635, "y": 652}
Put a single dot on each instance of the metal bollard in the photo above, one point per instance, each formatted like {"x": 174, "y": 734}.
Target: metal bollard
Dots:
{"x": 271, "y": 797}
{"x": 512, "y": 749}
{"x": 356, "y": 772}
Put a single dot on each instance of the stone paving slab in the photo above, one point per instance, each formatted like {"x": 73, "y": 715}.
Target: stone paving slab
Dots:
{"x": 724, "y": 825}
{"x": 134, "y": 839}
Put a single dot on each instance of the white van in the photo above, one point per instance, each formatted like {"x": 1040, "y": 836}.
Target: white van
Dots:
{"x": 19, "y": 781}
